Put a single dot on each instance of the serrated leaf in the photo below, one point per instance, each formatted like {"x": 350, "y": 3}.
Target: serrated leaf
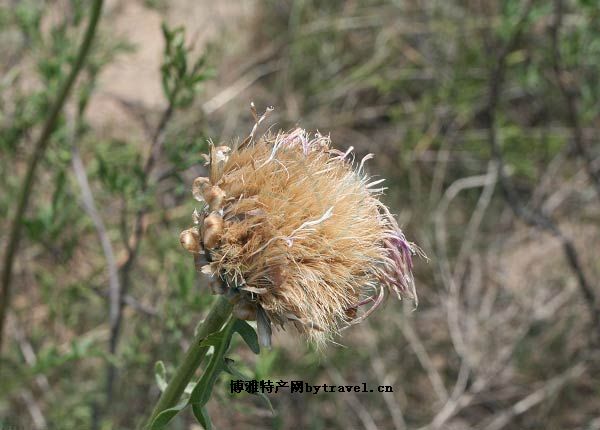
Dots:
{"x": 201, "y": 414}
{"x": 160, "y": 374}
{"x": 249, "y": 335}
{"x": 165, "y": 416}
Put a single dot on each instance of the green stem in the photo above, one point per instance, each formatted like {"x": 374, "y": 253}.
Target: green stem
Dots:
{"x": 219, "y": 313}
{"x": 38, "y": 153}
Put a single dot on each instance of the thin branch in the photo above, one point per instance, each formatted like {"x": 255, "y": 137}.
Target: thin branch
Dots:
{"x": 28, "y": 353}
{"x": 38, "y": 153}
{"x": 379, "y": 367}
{"x": 475, "y": 221}
{"x": 458, "y": 400}
{"x": 132, "y": 302}
{"x": 355, "y": 404}
{"x": 30, "y": 357}
{"x": 538, "y": 396}
{"x": 134, "y": 243}
{"x": 37, "y": 416}
{"x": 569, "y": 94}
{"x": 233, "y": 90}
{"x": 529, "y": 216}
{"x": 423, "y": 356}
{"x": 449, "y": 280}
{"x": 90, "y": 208}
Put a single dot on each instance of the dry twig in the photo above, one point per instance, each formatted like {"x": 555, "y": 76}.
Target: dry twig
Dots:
{"x": 531, "y": 217}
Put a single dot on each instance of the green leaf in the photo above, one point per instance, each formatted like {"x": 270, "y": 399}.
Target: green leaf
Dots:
{"x": 265, "y": 365}
{"x": 214, "y": 339}
{"x": 220, "y": 341}
{"x": 165, "y": 416}
{"x": 160, "y": 374}
{"x": 203, "y": 389}
{"x": 248, "y": 334}
{"x": 235, "y": 372}
{"x": 202, "y": 416}
{"x": 166, "y": 33}
{"x": 263, "y": 324}
{"x": 189, "y": 388}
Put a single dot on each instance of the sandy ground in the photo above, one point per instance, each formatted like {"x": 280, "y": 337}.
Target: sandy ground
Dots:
{"x": 132, "y": 82}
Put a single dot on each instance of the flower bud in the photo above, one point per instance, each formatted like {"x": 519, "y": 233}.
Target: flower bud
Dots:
{"x": 199, "y": 187}
{"x": 190, "y": 240}
{"x": 213, "y": 197}
{"x": 213, "y": 229}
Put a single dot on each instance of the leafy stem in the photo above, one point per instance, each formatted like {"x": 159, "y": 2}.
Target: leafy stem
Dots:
{"x": 219, "y": 313}
{"x": 203, "y": 389}
{"x": 38, "y": 152}
{"x": 209, "y": 335}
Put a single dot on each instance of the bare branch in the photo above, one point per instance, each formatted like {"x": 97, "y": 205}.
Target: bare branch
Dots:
{"x": 423, "y": 356}
{"x": 569, "y": 94}
{"x": 538, "y": 396}
{"x": 30, "y": 356}
{"x": 379, "y": 367}
{"x": 529, "y": 216}
{"x": 37, "y": 416}
{"x": 359, "y": 409}
{"x": 157, "y": 143}
{"x": 230, "y": 92}
{"x": 132, "y": 302}
{"x": 89, "y": 206}
{"x": 38, "y": 152}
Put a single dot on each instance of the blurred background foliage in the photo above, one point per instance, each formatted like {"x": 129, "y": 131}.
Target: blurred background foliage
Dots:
{"x": 483, "y": 117}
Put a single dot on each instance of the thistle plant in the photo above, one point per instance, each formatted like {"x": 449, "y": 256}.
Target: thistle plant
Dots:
{"x": 291, "y": 232}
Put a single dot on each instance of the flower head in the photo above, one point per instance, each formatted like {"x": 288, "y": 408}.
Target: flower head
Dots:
{"x": 294, "y": 231}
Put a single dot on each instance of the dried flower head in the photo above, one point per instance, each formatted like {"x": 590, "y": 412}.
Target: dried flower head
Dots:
{"x": 294, "y": 231}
